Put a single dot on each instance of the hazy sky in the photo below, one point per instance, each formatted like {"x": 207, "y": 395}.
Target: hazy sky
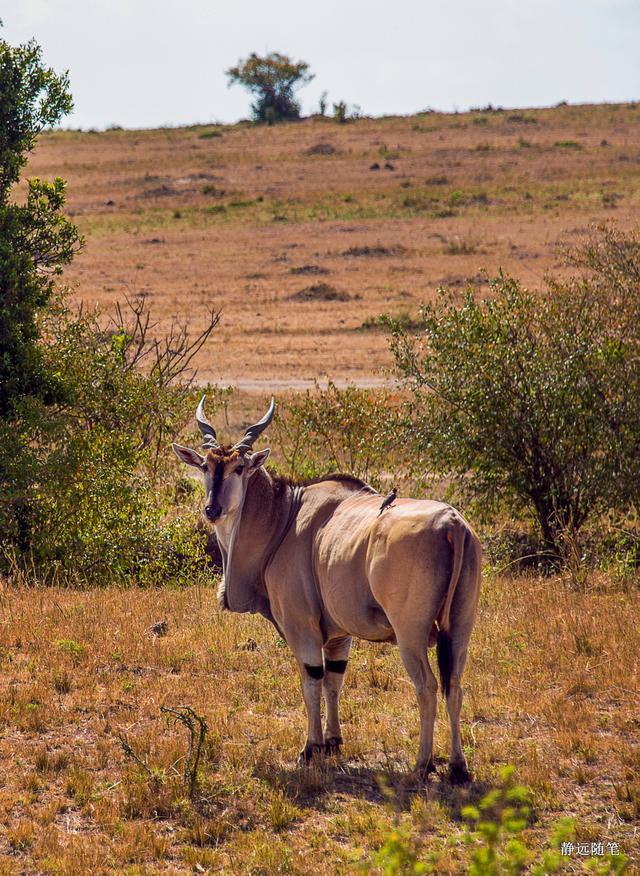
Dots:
{"x": 141, "y": 63}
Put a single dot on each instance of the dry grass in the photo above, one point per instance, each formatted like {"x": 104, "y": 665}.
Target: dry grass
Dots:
{"x": 552, "y": 687}
{"x": 245, "y": 218}
{"x": 226, "y": 215}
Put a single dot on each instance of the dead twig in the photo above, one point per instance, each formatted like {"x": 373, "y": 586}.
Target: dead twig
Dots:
{"x": 130, "y": 753}
{"x": 197, "y": 727}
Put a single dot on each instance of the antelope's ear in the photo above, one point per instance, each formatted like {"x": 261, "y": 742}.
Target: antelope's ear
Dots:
{"x": 255, "y": 460}
{"x": 186, "y": 454}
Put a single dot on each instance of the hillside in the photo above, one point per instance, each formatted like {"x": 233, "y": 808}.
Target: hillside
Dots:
{"x": 304, "y": 231}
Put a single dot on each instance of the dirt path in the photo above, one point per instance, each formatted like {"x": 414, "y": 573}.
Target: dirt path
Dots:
{"x": 284, "y": 384}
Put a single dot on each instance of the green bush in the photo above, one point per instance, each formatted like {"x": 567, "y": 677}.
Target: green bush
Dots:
{"x": 496, "y": 837}
{"x": 533, "y": 399}
{"x": 87, "y": 405}
{"x": 90, "y": 486}
{"x": 353, "y": 431}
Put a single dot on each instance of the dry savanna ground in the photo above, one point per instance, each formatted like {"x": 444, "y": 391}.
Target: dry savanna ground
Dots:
{"x": 303, "y": 234}
{"x": 551, "y": 687}
{"x": 301, "y": 243}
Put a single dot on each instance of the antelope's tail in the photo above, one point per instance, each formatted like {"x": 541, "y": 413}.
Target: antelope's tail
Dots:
{"x": 456, "y": 538}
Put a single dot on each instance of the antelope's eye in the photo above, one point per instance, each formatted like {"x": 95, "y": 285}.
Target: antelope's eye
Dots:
{"x": 204, "y": 467}
{"x": 240, "y": 469}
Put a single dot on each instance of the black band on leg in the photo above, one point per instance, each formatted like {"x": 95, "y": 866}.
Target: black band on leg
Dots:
{"x": 316, "y": 672}
{"x": 335, "y": 666}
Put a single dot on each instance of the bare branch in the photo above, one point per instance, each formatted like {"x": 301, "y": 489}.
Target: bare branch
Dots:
{"x": 197, "y": 727}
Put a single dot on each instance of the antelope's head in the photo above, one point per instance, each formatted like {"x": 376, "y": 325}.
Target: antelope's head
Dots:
{"x": 226, "y": 469}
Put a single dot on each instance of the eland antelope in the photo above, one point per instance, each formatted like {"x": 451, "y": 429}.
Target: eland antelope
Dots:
{"x": 319, "y": 561}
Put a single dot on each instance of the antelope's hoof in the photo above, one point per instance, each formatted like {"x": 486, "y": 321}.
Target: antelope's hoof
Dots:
{"x": 459, "y": 774}
{"x": 424, "y": 770}
{"x": 332, "y": 745}
{"x": 309, "y": 752}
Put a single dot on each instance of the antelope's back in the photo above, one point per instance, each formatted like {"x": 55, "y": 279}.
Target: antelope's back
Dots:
{"x": 367, "y": 561}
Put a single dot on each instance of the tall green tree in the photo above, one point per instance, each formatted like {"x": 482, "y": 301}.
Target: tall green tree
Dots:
{"x": 272, "y": 79}
{"x": 36, "y": 240}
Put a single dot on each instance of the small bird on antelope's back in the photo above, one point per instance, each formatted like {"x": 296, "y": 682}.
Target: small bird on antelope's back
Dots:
{"x": 388, "y": 500}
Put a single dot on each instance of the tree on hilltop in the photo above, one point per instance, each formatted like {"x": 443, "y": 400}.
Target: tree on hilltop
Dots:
{"x": 272, "y": 79}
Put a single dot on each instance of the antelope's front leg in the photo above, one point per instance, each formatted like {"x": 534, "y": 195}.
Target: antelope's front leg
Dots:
{"x": 312, "y": 675}
{"x": 336, "y": 655}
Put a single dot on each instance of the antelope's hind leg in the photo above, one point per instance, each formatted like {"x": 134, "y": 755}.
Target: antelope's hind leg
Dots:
{"x": 452, "y": 655}
{"x": 336, "y": 655}
{"x": 452, "y": 647}
{"x": 414, "y": 657}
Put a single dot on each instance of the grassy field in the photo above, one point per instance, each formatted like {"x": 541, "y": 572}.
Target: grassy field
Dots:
{"x": 301, "y": 243}
{"x": 303, "y": 234}
{"x": 551, "y": 687}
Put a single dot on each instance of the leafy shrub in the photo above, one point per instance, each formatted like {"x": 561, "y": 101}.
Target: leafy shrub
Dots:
{"x": 89, "y": 485}
{"x": 398, "y": 856}
{"x": 495, "y": 835}
{"x": 86, "y": 408}
{"x": 503, "y": 812}
{"x": 353, "y": 431}
{"x": 534, "y": 398}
